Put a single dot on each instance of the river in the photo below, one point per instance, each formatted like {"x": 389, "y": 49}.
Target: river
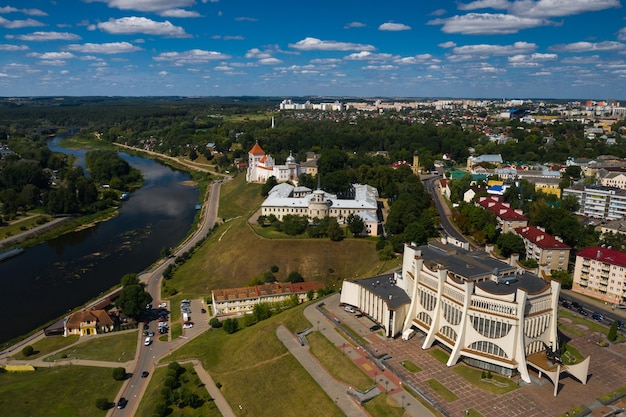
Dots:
{"x": 48, "y": 280}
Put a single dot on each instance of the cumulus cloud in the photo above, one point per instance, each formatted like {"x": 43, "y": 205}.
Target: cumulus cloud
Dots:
{"x": 393, "y": 27}
{"x": 104, "y": 48}
{"x": 542, "y": 8}
{"x": 17, "y": 24}
{"x": 52, "y": 55}
{"x": 270, "y": 61}
{"x": 146, "y": 5}
{"x": 12, "y": 48}
{"x": 46, "y": 36}
{"x": 589, "y": 47}
{"x": 486, "y": 49}
{"x": 417, "y": 59}
{"x": 621, "y": 35}
{"x": 257, "y": 53}
{"x": 326, "y": 61}
{"x": 134, "y": 24}
{"x": 179, "y": 13}
{"x": 487, "y": 24}
{"x": 29, "y": 12}
{"x": 446, "y": 45}
{"x": 194, "y": 56}
{"x": 354, "y": 25}
{"x": 314, "y": 44}
{"x": 367, "y": 56}
{"x": 438, "y": 12}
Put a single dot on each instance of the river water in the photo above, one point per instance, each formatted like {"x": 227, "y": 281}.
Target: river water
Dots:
{"x": 48, "y": 280}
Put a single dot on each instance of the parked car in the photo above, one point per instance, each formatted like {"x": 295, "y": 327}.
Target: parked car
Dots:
{"x": 163, "y": 305}
{"x": 151, "y": 333}
{"x": 583, "y": 312}
{"x": 576, "y": 305}
{"x": 203, "y": 310}
{"x": 348, "y": 309}
{"x": 122, "y": 403}
{"x": 375, "y": 327}
{"x": 145, "y": 374}
{"x": 188, "y": 325}
{"x": 336, "y": 320}
{"x": 597, "y": 316}
{"x": 620, "y": 324}
{"x": 147, "y": 341}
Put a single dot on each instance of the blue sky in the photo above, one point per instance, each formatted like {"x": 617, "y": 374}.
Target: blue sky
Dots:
{"x": 408, "y": 48}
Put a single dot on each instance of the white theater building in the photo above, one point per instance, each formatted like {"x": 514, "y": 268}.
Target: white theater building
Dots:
{"x": 481, "y": 310}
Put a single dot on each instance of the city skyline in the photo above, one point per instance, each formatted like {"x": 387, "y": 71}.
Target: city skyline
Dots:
{"x": 485, "y": 48}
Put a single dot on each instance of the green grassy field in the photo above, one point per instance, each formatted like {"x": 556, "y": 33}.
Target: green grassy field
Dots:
{"x": 118, "y": 347}
{"x": 234, "y": 254}
{"x": 22, "y": 224}
{"x": 64, "y": 391}
{"x": 190, "y": 382}
{"x": 47, "y": 345}
{"x": 253, "y": 367}
{"x": 338, "y": 364}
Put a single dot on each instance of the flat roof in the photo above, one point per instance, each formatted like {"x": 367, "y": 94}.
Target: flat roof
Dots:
{"x": 384, "y": 286}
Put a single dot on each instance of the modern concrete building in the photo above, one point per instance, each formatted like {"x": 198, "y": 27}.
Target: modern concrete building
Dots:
{"x": 608, "y": 203}
{"x": 483, "y": 311}
{"x": 601, "y": 273}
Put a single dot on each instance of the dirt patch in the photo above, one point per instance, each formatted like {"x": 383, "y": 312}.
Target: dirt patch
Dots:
{"x": 189, "y": 183}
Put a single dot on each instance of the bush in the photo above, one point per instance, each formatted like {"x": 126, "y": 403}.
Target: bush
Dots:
{"x": 103, "y": 404}
{"x": 28, "y": 351}
{"x": 119, "y": 374}
{"x": 612, "y": 335}
{"x": 215, "y": 323}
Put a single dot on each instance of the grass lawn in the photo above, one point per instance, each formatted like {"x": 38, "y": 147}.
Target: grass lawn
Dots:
{"x": 191, "y": 382}
{"x": 253, "y": 366}
{"x": 593, "y": 325}
{"x": 384, "y": 406}
{"x": 440, "y": 355}
{"x": 62, "y": 391}
{"x": 497, "y": 384}
{"x": 114, "y": 347}
{"x": 410, "y": 366}
{"x": 48, "y": 345}
{"x": 443, "y": 392}
{"x": 338, "y": 364}
{"x": 18, "y": 226}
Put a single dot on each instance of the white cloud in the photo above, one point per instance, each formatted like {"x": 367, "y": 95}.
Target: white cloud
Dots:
{"x": 257, "y": 53}
{"x": 326, "y": 61}
{"x": 379, "y": 67}
{"x": 417, "y": 59}
{"x": 179, "y": 13}
{"x": 438, "y": 12}
{"x": 487, "y": 24}
{"x": 557, "y": 8}
{"x": 17, "y": 24}
{"x": 270, "y": 61}
{"x": 163, "y": 73}
{"x": 621, "y": 35}
{"x": 104, "y": 48}
{"x": 589, "y": 47}
{"x": 486, "y": 49}
{"x": 46, "y": 36}
{"x": 134, "y": 24}
{"x": 485, "y": 4}
{"x": 146, "y": 5}
{"x": 11, "y": 48}
{"x": 354, "y": 25}
{"x": 30, "y": 12}
{"x": 53, "y": 63}
{"x": 233, "y": 38}
{"x": 246, "y": 19}
{"x": 367, "y": 56}
{"x": 393, "y": 27}
{"x": 52, "y": 55}
{"x": 532, "y": 59}
{"x": 446, "y": 45}
{"x": 314, "y": 44}
{"x": 580, "y": 60}
{"x": 194, "y": 56}
{"x": 541, "y": 74}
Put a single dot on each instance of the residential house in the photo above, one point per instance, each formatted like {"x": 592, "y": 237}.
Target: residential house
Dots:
{"x": 547, "y": 250}
{"x": 601, "y": 273}
{"x": 88, "y": 322}
{"x": 508, "y": 219}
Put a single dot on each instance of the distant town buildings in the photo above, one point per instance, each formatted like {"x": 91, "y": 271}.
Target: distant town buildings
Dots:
{"x": 599, "y": 202}
{"x": 508, "y": 219}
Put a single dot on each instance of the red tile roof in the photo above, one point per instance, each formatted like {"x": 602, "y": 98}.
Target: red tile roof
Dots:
{"x": 264, "y": 290}
{"x": 609, "y": 256}
{"x": 540, "y": 238}
{"x": 502, "y": 210}
{"x": 257, "y": 150}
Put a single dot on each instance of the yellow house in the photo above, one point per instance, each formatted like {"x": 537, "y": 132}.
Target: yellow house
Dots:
{"x": 88, "y": 322}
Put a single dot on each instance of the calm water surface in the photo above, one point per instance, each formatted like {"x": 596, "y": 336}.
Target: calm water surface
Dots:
{"x": 48, "y": 280}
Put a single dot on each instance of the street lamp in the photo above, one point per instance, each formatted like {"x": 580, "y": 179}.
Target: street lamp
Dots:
{"x": 402, "y": 401}
{"x": 318, "y": 325}
{"x": 386, "y": 387}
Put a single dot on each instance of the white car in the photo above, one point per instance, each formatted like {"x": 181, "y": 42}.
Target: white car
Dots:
{"x": 163, "y": 305}
{"x": 188, "y": 325}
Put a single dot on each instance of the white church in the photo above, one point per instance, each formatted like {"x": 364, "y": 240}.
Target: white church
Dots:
{"x": 261, "y": 166}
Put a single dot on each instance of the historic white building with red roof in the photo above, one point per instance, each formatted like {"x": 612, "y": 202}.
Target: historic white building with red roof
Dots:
{"x": 261, "y": 166}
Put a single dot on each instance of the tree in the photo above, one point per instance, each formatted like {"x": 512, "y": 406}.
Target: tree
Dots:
{"x": 215, "y": 323}
{"x": 231, "y": 325}
{"x": 334, "y": 231}
{"x": 355, "y": 224}
{"x": 295, "y": 276}
{"x": 129, "y": 279}
{"x": 510, "y": 243}
{"x": 119, "y": 374}
{"x": 612, "y": 334}
{"x": 564, "y": 277}
{"x": 133, "y": 300}
{"x": 102, "y": 404}
{"x": 193, "y": 155}
{"x": 269, "y": 184}
{"x": 28, "y": 351}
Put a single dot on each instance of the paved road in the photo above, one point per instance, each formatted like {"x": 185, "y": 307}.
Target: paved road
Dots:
{"x": 443, "y": 210}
